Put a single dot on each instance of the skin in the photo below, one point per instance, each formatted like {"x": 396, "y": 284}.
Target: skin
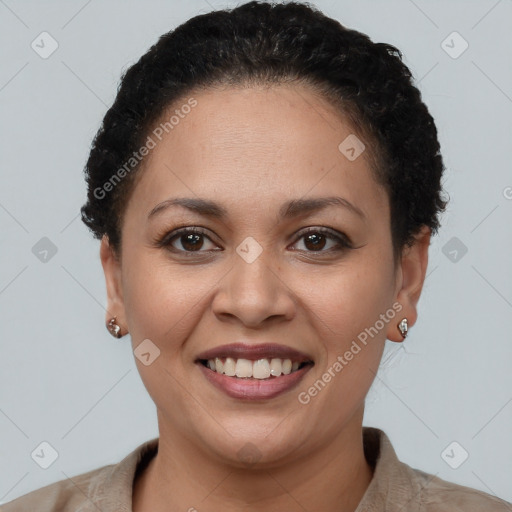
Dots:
{"x": 251, "y": 150}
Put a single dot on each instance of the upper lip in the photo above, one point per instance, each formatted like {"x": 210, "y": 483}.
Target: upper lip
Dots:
{"x": 254, "y": 352}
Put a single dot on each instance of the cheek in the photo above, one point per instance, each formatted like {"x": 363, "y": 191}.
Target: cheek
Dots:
{"x": 163, "y": 301}
{"x": 344, "y": 318}
{"x": 353, "y": 301}
{"x": 348, "y": 319}
{"x": 163, "y": 304}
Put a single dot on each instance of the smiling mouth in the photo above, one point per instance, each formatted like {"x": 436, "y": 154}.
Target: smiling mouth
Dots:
{"x": 261, "y": 369}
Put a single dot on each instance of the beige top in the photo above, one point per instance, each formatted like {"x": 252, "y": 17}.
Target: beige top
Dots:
{"x": 395, "y": 486}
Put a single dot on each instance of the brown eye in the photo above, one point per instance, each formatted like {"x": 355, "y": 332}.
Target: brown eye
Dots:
{"x": 187, "y": 240}
{"x": 316, "y": 240}
{"x": 192, "y": 241}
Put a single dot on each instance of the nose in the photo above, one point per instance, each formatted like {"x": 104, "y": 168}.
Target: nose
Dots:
{"x": 253, "y": 293}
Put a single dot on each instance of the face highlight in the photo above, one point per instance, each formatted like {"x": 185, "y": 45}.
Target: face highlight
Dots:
{"x": 249, "y": 225}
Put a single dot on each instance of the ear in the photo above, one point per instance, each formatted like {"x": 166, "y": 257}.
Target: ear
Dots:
{"x": 112, "y": 270}
{"x": 410, "y": 279}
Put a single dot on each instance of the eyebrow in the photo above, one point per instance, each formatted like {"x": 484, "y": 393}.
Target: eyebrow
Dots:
{"x": 288, "y": 210}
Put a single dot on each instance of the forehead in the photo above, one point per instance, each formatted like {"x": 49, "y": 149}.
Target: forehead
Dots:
{"x": 253, "y": 146}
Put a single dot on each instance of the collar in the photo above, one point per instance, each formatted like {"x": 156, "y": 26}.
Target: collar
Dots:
{"x": 393, "y": 484}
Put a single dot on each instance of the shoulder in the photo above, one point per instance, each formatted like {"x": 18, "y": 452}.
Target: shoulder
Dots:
{"x": 67, "y": 495}
{"x": 398, "y": 486}
{"x": 438, "y": 495}
{"x": 108, "y": 488}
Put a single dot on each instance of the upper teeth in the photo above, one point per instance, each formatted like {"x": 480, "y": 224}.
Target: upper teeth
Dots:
{"x": 260, "y": 369}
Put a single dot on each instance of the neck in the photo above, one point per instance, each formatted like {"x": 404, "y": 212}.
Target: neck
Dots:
{"x": 333, "y": 478}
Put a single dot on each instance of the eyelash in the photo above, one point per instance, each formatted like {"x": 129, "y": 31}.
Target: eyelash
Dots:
{"x": 166, "y": 240}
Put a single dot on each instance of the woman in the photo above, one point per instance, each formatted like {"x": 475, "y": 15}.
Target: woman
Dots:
{"x": 265, "y": 188}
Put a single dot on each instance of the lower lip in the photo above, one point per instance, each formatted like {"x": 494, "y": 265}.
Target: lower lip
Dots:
{"x": 254, "y": 389}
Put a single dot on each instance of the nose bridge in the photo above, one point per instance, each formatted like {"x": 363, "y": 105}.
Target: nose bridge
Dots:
{"x": 253, "y": 274}
{"x": 253, "y": 290}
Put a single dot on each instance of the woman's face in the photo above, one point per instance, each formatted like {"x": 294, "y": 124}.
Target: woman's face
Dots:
{"x": 255, "y": 276}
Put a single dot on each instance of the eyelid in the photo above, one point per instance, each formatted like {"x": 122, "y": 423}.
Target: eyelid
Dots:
{"x": 164, "y": 240}
{"x": 332, "y": 233}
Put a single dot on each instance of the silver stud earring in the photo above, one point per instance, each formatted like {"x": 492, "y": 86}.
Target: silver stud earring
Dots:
{"x": 114, "y": 329}
{"x": 402, "y": 327}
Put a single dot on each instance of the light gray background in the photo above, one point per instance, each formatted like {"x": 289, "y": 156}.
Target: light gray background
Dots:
{"x": 65, "y": 380}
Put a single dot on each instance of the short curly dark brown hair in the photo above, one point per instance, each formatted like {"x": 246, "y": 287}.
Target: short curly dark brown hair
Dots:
{"x": 265, "y": 43}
